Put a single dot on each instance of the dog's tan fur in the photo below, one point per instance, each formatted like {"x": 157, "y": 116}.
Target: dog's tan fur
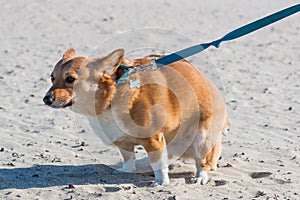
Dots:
{"x": 185, "y": 97}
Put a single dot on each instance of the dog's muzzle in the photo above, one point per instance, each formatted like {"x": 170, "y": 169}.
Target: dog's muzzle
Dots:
{"x": 50, "y": 101}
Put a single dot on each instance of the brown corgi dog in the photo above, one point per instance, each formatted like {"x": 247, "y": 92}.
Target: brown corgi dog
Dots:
{"x": 174, "y": 112}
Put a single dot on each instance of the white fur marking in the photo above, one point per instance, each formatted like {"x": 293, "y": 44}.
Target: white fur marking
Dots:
{"x": 198, "y": 141}
{"x": 105, "y": 127}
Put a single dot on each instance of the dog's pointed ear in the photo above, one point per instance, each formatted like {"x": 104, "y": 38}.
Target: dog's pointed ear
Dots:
{"x": 113, "y": 60}
{"x": 68, "y": 55}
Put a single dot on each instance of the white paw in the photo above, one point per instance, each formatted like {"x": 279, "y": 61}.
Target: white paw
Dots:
{"x": 202, "y": 178}
{"x": 161, "y": 177}
{"x": 160, "y": 182}
{"x": 128, "y": 167}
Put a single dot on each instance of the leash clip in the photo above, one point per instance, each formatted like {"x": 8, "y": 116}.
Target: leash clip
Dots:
{"x": 141, "y": 68}
{"x": 152, "y": 64}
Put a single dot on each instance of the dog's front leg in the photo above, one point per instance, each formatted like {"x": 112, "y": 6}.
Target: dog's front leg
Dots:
{"x": 129, "y": 162}
{"x": 158, "y": 157}
{"x": 160, "y": 168}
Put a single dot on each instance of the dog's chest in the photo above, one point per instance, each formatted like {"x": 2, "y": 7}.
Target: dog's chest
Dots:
{"x": 105, "y": 126}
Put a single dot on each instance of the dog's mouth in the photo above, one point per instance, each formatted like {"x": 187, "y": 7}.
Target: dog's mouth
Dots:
{"x": 60, "y": 105}
{"x": 69, "y": 104}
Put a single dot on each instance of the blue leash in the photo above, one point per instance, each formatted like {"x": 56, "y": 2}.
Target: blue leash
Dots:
{"x": 184, "y": 53}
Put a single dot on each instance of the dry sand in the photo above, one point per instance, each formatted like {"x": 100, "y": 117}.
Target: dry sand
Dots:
{"x": 53, "y": 154}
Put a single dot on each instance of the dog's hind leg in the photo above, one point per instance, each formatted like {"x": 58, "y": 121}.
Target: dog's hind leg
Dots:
{"x": 209, "y": 162}
{"x": 201, "y": 176}
{"x": 213, "y": 156}
{"x": 207, "y": 149}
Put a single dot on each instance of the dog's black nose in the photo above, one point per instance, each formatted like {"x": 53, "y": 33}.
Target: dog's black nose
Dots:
{"x": 48, "y": 99}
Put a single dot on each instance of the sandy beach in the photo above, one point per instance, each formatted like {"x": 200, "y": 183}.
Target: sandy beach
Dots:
{"x": 50, "y": 153}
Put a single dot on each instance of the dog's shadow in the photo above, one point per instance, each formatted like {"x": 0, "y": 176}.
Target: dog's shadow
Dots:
{"x": 42, "y": 176}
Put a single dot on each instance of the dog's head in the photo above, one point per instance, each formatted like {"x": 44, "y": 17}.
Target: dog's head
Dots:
{"x": 87, "y": 84}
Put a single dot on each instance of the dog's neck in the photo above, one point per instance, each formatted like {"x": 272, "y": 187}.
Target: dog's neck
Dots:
{"x": 96, "y": 98}
{"x": 105, "y": 93}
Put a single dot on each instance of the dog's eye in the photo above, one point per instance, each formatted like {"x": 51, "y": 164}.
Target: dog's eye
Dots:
{"x": 70, "y": 79}
{"x": 52, "y": 78}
